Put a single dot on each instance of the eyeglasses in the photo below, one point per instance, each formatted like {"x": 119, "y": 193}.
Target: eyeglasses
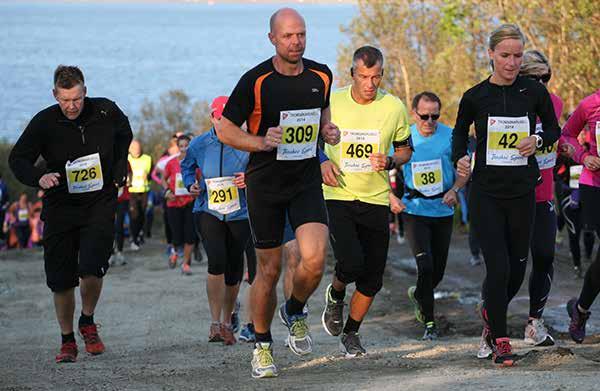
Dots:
{"x": 541, "y": 78}
{"x": 426, "y": 117}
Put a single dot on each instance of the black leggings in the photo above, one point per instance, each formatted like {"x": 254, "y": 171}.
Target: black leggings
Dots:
{"x": 572, "y": 217}
{"x": 168, "y": 233}
{"x": 23, "y": 233}
{"x": 543, "y": 243}
{"x": 504, "y": 228}
{"x": 122, "y": 208}
{"x": 137, "y": 214}
{"x": 224, "y": 242}
{"x": 182, "y": 225}
{"x": 591, "y": 212}
{"x": 250, "y": 260}
{"x": 429, "y": 241}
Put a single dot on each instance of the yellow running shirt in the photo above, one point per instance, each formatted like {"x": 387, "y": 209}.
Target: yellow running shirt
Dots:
{"x": 364, "y": 129}
{"x": 140, "y": 169}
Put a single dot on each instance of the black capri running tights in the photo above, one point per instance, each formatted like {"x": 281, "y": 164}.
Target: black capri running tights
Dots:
{"x": 504, "y": 228}
{"x": 224, "y": 242}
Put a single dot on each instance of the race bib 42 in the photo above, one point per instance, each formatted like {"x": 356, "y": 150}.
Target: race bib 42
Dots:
{"x": 503, "y": 136}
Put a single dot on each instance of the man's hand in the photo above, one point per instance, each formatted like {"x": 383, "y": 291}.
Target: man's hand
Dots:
{"x": 463, "y": 166}
{"x": 240, "y": 180}
{"x": 567, "y": 150}
{"x": 195, "y": 189}
{"x": 330, "y": 133}
{"x": 592, "y": 163}
{"x": 50, "y": 180}
{"x": 272, "y": 139}
{"x": 396, "y": 204}
{"x": 378, "y": 161}
{"x": 330, "y": 172}
{"x": 450, "y": 198}
{"x": 527, "y": 146}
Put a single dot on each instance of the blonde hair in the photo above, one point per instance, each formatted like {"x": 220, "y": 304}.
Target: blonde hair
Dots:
{"x": 506, "y": 31}
{"x": 534, "y": 63}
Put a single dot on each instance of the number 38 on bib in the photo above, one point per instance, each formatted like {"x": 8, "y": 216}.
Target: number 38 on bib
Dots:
{"x": 503, "y": 136}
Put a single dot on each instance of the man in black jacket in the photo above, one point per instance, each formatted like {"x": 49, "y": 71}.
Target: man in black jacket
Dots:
{"x": 84, "y": 143}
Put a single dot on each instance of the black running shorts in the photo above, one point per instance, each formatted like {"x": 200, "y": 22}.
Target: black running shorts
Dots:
{"x": 267, "y": 213}
{"x": 360, "y": 236}
{"x": 73, "y": 249}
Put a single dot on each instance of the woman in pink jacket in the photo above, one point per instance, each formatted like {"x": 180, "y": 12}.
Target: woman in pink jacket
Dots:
{"x": 586, "y": 114}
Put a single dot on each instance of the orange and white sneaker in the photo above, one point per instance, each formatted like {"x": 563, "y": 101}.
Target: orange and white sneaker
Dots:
{"x": 186, "y": 270}
{"x": 93, "y": 343}
{"x": 173, "y": 259}
{"x": 68, "y": 352}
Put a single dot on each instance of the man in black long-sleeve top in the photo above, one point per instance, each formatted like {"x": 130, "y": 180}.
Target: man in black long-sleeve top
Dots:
{"x": 84, "y": 142}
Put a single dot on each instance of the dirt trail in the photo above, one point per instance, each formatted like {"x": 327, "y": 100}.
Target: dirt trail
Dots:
{"x": 155, "y": 324}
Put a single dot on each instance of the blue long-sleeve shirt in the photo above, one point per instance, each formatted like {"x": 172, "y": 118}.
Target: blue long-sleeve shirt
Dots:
{"x": 215, "y": 160}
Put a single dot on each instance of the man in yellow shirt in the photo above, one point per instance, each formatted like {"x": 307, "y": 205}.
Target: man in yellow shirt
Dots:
{"x": 357, "y": 191}
{"x": 141, "y": 166}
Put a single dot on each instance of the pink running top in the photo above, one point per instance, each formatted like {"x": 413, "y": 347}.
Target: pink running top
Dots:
{"x": 587, "y": 113}
{"x": 545, "y": 190}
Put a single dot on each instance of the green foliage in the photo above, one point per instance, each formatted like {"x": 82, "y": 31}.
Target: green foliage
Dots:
{"x": 441, "y": 45}
{"x": 174, "y": 112}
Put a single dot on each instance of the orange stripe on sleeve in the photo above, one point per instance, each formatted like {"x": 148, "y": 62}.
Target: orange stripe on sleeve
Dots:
{"x": 326, "y": 80}
{"x": 256, "y": 115}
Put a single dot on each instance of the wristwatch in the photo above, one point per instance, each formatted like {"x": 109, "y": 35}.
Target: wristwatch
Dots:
{"x": 539, "y": 142}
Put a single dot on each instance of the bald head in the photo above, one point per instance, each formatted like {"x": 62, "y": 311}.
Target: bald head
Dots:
{"x": 284, "y": 15}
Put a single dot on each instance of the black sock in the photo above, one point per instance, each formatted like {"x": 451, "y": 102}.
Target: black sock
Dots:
{"x": 68, "y": 337}
{"x": 293, "y": 306}
{"x": 352, "y": 325}
{"x": 337, "y": 295}
{"x": 85, "y": 320}
{"x": 264, "y": 337}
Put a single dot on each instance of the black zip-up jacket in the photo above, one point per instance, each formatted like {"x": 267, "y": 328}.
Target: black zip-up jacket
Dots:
{"x": 101, "y": 127}
{"x": 525, "y": 97}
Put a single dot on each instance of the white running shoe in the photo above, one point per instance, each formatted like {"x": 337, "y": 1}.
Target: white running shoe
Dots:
{"x": 120, "y": 258}
{"x": 262, "y": 361}
{"x": 134, "y": 247}
{"x": 485, "y": 351}
{"x": 537, "y": 334}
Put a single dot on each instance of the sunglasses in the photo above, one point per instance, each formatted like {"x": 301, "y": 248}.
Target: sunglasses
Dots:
{"x": 426, "y": 117}
{"x": 541, "y": 78}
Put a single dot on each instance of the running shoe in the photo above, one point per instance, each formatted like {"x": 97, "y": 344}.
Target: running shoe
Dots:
{"x": 502, "y": 352}
{"x": 578, "y": 320}
{"x": 430, "y": 332}
{"x": 333, "y": 314}
{"x": 475, "y": 261}
{"x": 350, "y": 345}
{"x": 400, "y": 239}
{"x": 93, "y": 343}
{"x": 298, "y": 339}
{"x": 578, "y": 273}
{"x": 134, "y": 247}
{"x": 111, "y": 260}
{"x": 214, "y": 334}
{"x": 485, "y": 349}
{"x": 173, "y": 259}
{"x": 120, "y": 258}
{"x": 186, "y": 270}
{"x": 68, "y": 352}
{"x": 537, "y": 334}
{"x": 418, "y": 314}
{"x": 262, "y": 361}
{"x": 247, "y": 333}
{"x": 227, "y": 334}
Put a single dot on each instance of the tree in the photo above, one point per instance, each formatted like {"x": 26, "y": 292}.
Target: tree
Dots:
{"x": 173, "y": 113}
{"x": 441, "y": 46}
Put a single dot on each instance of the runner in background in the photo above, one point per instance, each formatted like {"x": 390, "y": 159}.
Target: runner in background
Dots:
{"x": 587, "y": 113}
{"x": 141, "y": 165}
{"x": 221, "y": 217}
{"x": 430, "y": 194}
{"x": 179, "y": 209}
{"x": 122, "y": 209}
{"x": 535, "y": 66}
